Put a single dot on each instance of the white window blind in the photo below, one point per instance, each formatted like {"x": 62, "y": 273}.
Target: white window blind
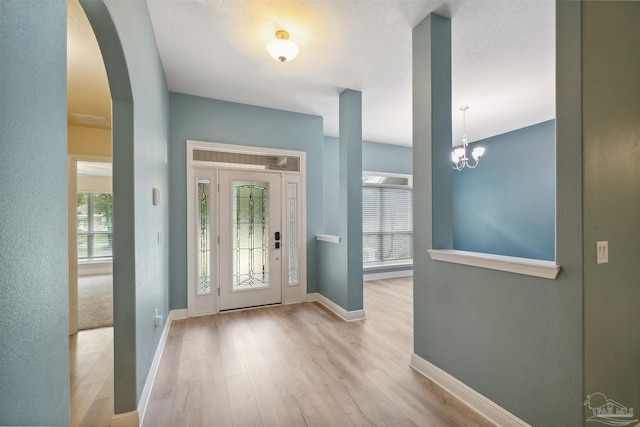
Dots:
{"x": 387, "y": 224}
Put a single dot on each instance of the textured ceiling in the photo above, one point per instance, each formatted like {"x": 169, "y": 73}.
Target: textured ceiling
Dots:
{"x": 502, "y": 58}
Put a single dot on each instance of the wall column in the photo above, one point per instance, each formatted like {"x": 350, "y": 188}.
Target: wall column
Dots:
{"x": 351, "y": 192}
{"x": 34, "y": 320}
{"x": 432, "y": 135}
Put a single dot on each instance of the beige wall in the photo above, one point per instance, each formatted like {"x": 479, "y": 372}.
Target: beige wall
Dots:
{"x": 95, "y": 184}
{"x": 89, "y": 141}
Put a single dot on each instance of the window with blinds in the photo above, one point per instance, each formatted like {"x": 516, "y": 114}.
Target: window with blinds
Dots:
{"x": 387, "y": 224}
{"x": 95, "y": 225}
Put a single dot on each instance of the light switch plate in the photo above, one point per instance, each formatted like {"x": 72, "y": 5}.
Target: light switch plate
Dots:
{"x": 602, "y": 252}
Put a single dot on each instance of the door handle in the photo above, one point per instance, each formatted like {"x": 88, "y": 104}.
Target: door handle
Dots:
{"x": 277, "y": 236}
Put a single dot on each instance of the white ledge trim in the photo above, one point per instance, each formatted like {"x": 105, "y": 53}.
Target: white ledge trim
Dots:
{"x": 328, "y": 238}
{"x": 526, "y": 266}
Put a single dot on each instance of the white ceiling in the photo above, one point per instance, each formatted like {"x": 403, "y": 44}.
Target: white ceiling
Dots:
{"x": 503, "y": 58}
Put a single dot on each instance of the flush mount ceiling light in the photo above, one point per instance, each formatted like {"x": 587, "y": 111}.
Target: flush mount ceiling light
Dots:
{"x": 282, "y": 49}
{"x": 459, "y": 155}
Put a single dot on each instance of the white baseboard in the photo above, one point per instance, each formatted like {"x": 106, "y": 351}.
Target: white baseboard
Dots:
{"x": 127, "y": 419}
{"x": 474, "y": 400}
{"x": 347, "y": 316}
{"x": 153, "y": 370}
{"x": 94, "y": 268}
{"x": 388, "y": 275}
{"x": 179, "y": 314}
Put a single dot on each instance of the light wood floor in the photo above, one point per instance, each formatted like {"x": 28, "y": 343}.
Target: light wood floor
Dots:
{"x": 299, "y": 365}
{"x": 91, "y": 367}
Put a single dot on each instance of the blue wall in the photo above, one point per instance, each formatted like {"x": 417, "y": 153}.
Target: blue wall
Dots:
{"x": 376, "y": 157}
{"x": 386, "y": 158}
{"x": 34, "y": 325}
{"x": 506, "y": 206}
{"x": 350, "y": 206}
{"x": 224, "y": 122}
{"x": 513, "y": 338}
{"x": 611, "y": 185}
{"x": 331, "y": 186}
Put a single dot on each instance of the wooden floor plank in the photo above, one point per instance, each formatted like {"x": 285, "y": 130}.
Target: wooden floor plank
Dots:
{"x": 91, "y": 377}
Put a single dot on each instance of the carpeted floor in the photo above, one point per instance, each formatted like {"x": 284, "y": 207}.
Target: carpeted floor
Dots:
{"x": 95, "y": 301}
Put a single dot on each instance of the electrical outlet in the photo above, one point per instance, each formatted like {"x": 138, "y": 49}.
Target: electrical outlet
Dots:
{"x": 602, "y": 252}
{"x": 158, "y": 319}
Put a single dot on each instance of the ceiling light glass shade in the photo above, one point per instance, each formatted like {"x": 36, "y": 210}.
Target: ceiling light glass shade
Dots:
{"x": 282, "y": 50}
{"x": 457, "y": 155}
{"x": 477, "y": 153}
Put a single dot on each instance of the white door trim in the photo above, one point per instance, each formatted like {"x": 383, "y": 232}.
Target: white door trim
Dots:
{"x": 291, "y": 293}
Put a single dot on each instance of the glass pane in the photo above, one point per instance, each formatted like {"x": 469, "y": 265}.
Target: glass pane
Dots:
{"x": 384, "y": 179}
{"x": 82, "y": 215}
{"x": 102, "y": 245}
{"x": 387, "y": 224}
{"x": 94, "y": 216}
{"x": 204, "y": 242}
{"x": 292, "y": 222}
{"x": 370, "y": 247}
{"x": 101, "y": 224}
{"x": 250, "y": 235}
{"x": 397, "y": 246}
{"x": 102, "y": 212}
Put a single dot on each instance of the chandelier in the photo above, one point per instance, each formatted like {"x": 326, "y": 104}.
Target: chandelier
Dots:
{"x": 459, "y": 155}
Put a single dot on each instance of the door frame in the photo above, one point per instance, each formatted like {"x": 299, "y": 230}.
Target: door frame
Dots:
{"x": 72, "y": 185}
{"x": 291, "y": 293}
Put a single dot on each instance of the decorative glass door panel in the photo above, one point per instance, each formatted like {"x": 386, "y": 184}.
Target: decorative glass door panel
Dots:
{"x": 202, "y": 239}
{"x": 292, "y": 231}
{"x": 250, "y": 236}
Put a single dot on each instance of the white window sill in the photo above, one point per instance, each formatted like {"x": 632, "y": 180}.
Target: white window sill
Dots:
{"x": 387, "y": 265}
{"x": 526, "y": 266}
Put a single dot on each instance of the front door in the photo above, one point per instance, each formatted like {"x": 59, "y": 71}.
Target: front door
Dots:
{"x": 250, "y": 237}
